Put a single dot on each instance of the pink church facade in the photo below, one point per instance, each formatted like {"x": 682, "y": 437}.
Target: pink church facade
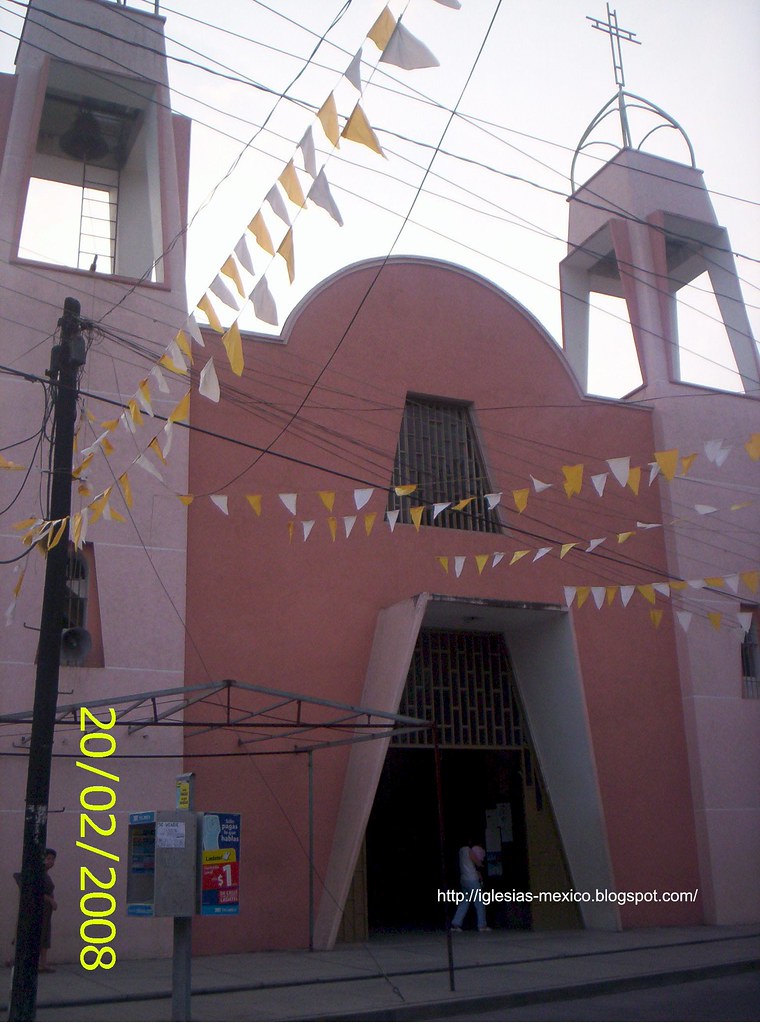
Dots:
{"x": 419, "y": 510}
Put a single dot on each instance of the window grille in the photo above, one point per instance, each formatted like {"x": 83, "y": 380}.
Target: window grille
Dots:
{"x": 463, "y": 681}
{"x": 751, "y": 660}
{"x": 75, "y": 608}
{"x": 438, "y": 451}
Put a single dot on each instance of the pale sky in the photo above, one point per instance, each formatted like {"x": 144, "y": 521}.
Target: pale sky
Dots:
{"x": 489, "y": 200}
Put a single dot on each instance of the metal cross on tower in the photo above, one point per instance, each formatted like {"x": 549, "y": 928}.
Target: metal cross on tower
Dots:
{"x": 615, "y": 33}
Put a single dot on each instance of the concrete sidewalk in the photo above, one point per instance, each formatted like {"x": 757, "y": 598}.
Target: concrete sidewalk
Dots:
{"x": 402, "y": 977}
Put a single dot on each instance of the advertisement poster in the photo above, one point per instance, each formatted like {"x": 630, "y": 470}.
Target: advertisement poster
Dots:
{"x": 220, "y": 864}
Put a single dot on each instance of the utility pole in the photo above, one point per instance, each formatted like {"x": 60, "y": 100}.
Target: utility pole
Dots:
{"x": 66, "y": 358}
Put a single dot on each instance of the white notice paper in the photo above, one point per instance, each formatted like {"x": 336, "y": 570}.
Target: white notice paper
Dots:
{"x": 170, "y": 834}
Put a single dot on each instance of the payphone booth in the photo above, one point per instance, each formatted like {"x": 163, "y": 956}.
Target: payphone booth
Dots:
{"x": 162, "y": 857}
{"x": 182, "y": 863}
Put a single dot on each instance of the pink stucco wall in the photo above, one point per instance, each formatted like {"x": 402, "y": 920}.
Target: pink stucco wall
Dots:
{"x": 301, "y": 616}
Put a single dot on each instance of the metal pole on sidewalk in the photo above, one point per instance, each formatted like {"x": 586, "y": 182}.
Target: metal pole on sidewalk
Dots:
{"x": 66, "y": 359}
{"x": 182, "y": 952}
{"x": 442, "y": 841}
{"x": 311, "y": 851}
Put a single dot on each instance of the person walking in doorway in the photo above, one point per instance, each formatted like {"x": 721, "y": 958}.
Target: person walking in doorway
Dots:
{"x": 471, "y": 860}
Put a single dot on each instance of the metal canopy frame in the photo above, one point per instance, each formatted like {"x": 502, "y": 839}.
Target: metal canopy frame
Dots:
{"x": 292, "y": 722}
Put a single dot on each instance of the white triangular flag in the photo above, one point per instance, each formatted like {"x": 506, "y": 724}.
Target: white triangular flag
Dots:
{"x": 595, "y": 543}
{"x": 497, "y": 557}
{"x": 654, "y": 472}
{"x": 722, "y": 455}
{"x": 621, "y": 469}
{"x": 308, "y": 526}
{"x": 168, "y": 432}
{"x": 705, "y": 510}
{"x": 662, "y": 588}
{"x": 684, "y": 620}
{"x": 459, "y": 564}
{"x": 306, "y": 145}
{"x": 598, "y": 594}
{"x": 438, "y": 507}
{"x": 191, "y": 327}
{"x": 626, "y": 593}
{"x": 348, "y": 524}
{"x": 732, "y": 582}
{"x": 320, "y": 194}
{"x": 745, "y": 621}
{"x": 159, "y": 378}
{"x": 493, "y": 500}
{"x": 263, "y": 303}
{"x": 569, "y": 595}
{"x": 243, "y": 254}
{"x": 354, "y": 71}
{"x": 599, "y": 482}
{"x": 277, "y": 203}
{"x": 539, "y": 485}
{"x": 289, "y": 501}
{"x": 713, "y": 448}
{"x": 220, "y": 500}
{"x": 361, "y": 496}
{"x": 220, "y": 289}
{"x": 143, "y": 463}
{"x": 406, "y": 51}
{"x": 208, "y": 384}
{"x": 392, "y": 516}
{"x": 540, "y": 553}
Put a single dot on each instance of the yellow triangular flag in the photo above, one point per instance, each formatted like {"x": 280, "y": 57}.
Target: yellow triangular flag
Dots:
{"x": 183, "y": 344}
{"x": 715, "y": 619}
{"x": 573, "y": 479}
{"x": 285, "y": 250}
{"x": 753, "y": 447}
{"x": 230, "y": 269}
{"x": 328, "y": 499}
{"x": 715, "y": 581}
{"x": 567, "y": 547}
{"x": 382, "y": 30}
{"x": 328, "y": 118}
{"x": 358, "y": 129}
{"x": 289, "y": 181}
{"x": 369, "y": 522}
{"x": 76, "y": 473}
{"x": 678, "y": 585}
{"x": 106, "y": 447}
{"x": 332, "y": 522}
{"x": 581, "y": 596}
{"x": 647, "y": 591}
{"x": 444, "y": 561}
{"x": 750, "y": 580}
{"x": 96, "y": 507}
{"x": 612, "y": 593}
{"x": 233, "y": 345}
{"x": 53, "y": 540}
{"x": 126, "y": 490}
{"x": 181, "y": 409}
{"x": 416, "y": 514}
{"x": 254, "y": 500}
{"x": 186, "y": 499}
{"x": 206, "y": 306}
{"x": 520, "y": 498}
{"x": 634, "y": 479}
{"x": 518, "y": 555}
{"x": 260, "y": 232}
{"x": 623, "y": 537}
{"x": 157, "y": 449}
{"x": 655, "y": 614}
{"x": 134, "y": 412}
{"x": 5, "y": 464}
{"x": 481, "y": 561}
{"x": 110, "y": 424}
{"x": 668, "y": 462}
{"x": 687, "y": 462}
{"x": 461, "y": 505}
{"x": 291, "y": 530}
{"x": 404, "y": 489}
{"x": 171, "y": 366}
{"x": 117, "y": 516}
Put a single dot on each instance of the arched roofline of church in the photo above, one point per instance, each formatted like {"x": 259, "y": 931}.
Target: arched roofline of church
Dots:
{"x": 432, "y": 263}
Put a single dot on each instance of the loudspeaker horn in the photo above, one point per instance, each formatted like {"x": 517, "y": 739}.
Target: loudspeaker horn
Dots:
{"x": 75, "y": 645}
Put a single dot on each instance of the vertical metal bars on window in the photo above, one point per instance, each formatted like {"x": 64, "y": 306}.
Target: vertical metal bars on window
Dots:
{"x": 438, "y": 451}
{"x": 464, "y": 682}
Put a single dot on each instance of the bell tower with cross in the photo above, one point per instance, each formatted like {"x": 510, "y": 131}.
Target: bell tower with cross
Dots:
{"x": 641, "y": 228}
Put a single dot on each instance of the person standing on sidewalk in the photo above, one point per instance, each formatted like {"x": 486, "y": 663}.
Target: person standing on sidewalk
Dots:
{"x": 471, "y": 859}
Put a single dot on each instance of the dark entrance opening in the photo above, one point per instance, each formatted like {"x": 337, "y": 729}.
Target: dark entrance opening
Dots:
{"x": 480, "y": 787}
